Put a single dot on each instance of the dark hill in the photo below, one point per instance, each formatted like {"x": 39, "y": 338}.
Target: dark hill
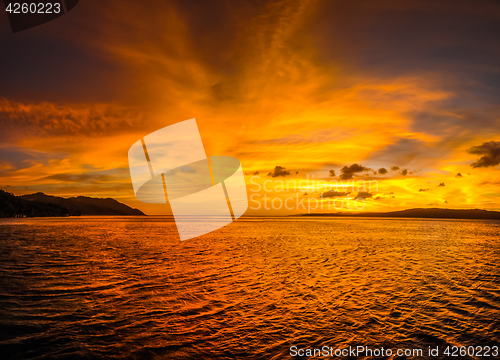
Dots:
{"x": 14, "y": 206}
{"x": 83, "y": 205}
{"x": 433, "y": 213}
{"x": 40, "y": 204}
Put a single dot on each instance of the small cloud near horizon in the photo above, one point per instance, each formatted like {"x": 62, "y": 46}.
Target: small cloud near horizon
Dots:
{"x": 348, "y": 172}
{"x": 279, "y": 171}
{"x": 363, "y": 195}
{"x": 329, "y": 194}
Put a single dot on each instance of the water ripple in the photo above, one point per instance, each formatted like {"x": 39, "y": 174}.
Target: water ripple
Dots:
{"x": 127, "y": 288}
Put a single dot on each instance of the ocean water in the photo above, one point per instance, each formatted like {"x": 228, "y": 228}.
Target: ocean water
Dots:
{"x": 259, "y": 288}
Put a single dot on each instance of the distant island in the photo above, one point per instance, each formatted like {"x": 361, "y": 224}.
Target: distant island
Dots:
{"x": 42, "y": 205}
{"x": 432, "y": 213}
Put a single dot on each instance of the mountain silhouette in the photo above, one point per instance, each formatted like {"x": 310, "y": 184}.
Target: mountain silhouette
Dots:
{"x": 40, "y": 204}
{"x": 432, "y": 213}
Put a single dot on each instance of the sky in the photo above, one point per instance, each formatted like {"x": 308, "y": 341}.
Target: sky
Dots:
{"x": 336, "y": 105}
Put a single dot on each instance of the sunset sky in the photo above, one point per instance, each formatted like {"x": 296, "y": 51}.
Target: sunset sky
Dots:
{"x": 292, "y": 89}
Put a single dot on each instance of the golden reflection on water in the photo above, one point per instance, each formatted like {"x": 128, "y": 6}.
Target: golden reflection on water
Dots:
{"x": 128, "y": 288}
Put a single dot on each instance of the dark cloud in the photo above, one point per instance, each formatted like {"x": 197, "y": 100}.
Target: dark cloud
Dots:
{"x": 279, "y": 171}
{"x": 332, "y": 173}
{"x": 185, "y": 169}
{"x": 363, "y": 195}
{"x": 403, "y": 151}
{"x": 490, "y": 152}
{"x": 15, "y": 158}
{"x": 60, "y": 56}
{"x": 256, "y": 173}
{"x": 423, "y": 190}
{"x": 80, "y": 178}
{"x": 457, "y": 46}
{"x": 329, "y": 194}
{"x": 348, "y": 172}
{"x": 441, "y": 184}
{"x": 394, "y": 168}
{"x": 21, "y": 120}
{"x": 457, "y": 43}
{"x": 459, "y": 175}
{"x": 97, "y": 177}
{"x": 404, "y": 172}
{"x": 458, "y": 32}
{"x": 382, "y": 171}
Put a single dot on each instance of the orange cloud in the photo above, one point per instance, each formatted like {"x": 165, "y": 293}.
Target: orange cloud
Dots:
{"x": 271, "y": 84}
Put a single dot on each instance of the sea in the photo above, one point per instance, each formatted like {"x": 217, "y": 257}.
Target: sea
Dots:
{"x": 259, "y": 288}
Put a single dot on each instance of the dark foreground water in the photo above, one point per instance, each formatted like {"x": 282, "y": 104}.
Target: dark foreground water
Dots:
{"x": 127, "y": 288}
